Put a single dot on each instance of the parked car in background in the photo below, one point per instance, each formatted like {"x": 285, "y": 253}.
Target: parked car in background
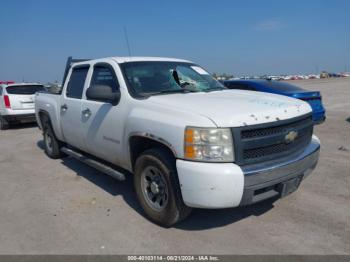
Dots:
{"x": 54, "y": 88}
{"x": 324, "y": 74}
{"x": 189, "y": 141}
{"x": 334, "y": 75}
{"x": 17, "y": 103}
{"x": 314, "y": 76}
{"x": 313, "y": 98}
{"x": 6, "y": 82}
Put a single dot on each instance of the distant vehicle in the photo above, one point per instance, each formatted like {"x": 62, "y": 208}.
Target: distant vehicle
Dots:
{"x": 334, "y": 75}
{"x": 314, "y": 76}
{"x": 275, "y": 87}
{"x": 272, "y": 77}
{"x": 17, "y": 103}
{"x": 286, "y": 77}
{"x": 54, "y": 88}
{"x": 6, "y": 82}
{"x": 324, "y": 74}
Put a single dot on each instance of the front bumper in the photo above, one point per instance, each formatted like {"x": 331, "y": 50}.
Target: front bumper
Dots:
{"x": 263, "y": 183}
{"x": 319, "y": 120}
{"x": 223, "y": 185}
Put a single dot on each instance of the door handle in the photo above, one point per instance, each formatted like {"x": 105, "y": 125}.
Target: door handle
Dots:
{"x": 64, "y": 107}
{"x": 86, "y": 112}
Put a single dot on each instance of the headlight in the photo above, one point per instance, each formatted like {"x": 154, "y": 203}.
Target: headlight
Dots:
{"x": 208, "y": 144}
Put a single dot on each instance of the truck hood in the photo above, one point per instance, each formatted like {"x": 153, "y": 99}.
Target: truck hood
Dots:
{"x": 233, "y": 108}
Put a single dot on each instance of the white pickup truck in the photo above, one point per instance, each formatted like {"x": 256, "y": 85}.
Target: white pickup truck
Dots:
{"x": 189, "y": 142}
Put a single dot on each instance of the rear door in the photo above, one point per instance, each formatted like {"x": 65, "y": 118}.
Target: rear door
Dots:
{"x": 22, "y": 96}
{"x": 71, "y": 107}
{"x": 102, "y": 124}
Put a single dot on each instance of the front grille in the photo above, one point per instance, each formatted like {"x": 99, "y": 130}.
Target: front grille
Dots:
{"x": 266, "y": 131}
{"x": 273, "y": 149}
{"x": 265, "y": 142}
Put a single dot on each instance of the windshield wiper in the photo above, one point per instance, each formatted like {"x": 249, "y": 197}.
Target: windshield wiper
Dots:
{"x": 183, "y": 90}
{"x": 215, "y": 89}
{"x": 169, "y": 91}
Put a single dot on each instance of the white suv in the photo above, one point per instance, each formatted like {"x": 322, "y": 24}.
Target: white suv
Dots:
{"x": 17, "y": 103}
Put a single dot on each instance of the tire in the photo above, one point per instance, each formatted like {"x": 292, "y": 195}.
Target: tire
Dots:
{"x": 4, "y": 124}
{"x": 157, "y": 188}
{"x": 52, "y": 144}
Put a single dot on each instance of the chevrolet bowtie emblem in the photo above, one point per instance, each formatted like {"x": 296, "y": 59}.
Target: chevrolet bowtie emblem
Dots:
{"x": 291, "y": 136}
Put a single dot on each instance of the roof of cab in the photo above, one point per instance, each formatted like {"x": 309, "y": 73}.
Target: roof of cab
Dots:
{"x": 146, "y": 58}
{"x": 125, "y": 59}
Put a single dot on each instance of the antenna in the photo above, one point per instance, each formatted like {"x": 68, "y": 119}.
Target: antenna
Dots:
{"x": 127, "y": 40}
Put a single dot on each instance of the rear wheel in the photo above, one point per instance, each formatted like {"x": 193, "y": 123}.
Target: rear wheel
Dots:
{"x": 51, "y": 143}
{"x": 157, "y": 188}
{"x": 4, "y": 124}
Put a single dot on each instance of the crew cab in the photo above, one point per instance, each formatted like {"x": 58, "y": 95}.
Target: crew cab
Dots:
{"x": 313, "y": 98}
{"x": 17, "y": 103}
{"x": 188, "y": 141}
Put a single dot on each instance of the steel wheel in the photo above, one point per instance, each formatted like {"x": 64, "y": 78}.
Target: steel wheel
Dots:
{"x": 154, "y": 188}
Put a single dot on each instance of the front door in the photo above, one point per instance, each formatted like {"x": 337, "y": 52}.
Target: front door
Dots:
{"x": 102, "y": 122}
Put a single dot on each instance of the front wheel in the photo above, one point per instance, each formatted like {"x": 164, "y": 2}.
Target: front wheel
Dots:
{"x": 157, "y": 188}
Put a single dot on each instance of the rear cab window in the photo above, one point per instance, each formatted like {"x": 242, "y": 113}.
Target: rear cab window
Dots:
{"x": 24, "y": 89}
{"x": 76, "y": 82}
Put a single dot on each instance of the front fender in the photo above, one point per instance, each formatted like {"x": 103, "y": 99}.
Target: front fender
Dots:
{"x": 164, "y": 125}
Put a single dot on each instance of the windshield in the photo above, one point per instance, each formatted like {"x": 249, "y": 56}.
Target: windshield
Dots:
{"x": 24, "y": 89}
{"x": 149, "y": 78}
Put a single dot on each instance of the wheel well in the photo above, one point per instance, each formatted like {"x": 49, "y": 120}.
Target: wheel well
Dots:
{"x": 44, "y": 118}
{"x": 45, "y": 121}
{"x": 139, "y": 144}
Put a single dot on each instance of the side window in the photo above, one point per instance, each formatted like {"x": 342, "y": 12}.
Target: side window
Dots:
{"x": 76, "y": 82}
{"x": 0, "y": 90}
{"x": 104, "y": 75}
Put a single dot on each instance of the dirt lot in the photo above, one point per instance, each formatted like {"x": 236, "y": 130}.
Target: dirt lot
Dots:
{"x": 64, "y": 207}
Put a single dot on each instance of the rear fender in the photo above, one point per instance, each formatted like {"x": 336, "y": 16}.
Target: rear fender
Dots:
{"x": 46, "y": 116}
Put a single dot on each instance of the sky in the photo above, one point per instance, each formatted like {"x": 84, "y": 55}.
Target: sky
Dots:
{"x": 237, "y": 37}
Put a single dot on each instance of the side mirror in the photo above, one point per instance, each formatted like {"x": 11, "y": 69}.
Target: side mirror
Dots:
{"x": 103, "y": 93}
